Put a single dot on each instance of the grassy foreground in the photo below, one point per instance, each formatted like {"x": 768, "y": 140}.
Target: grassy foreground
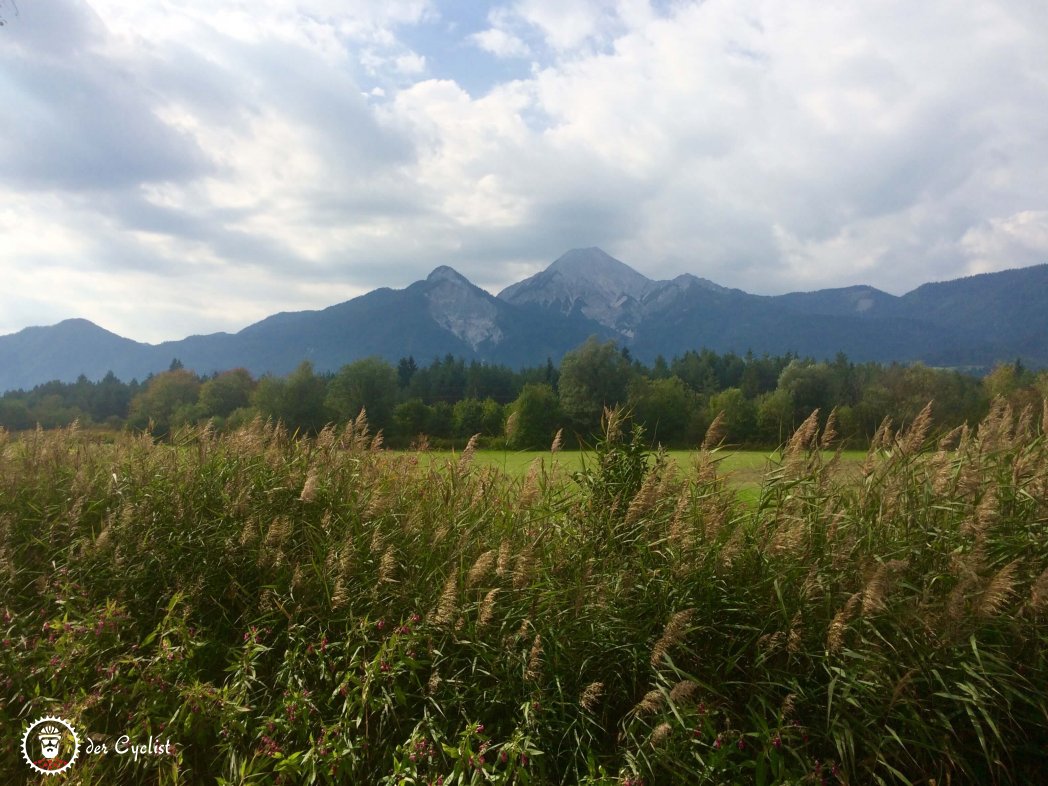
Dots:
{"x": 294, "y": 611}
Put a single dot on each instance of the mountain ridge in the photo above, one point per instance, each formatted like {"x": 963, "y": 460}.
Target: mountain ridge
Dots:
{"x": 973, "y": 321}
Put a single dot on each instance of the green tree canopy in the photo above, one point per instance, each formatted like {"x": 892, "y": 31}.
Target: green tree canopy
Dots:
{"x": 297, "y": 401}
{"x": 370, "y": 384}
{"x": 534, "y": 418}
{"x": 592, "y": 377}
{"x": 227, "y": 392}
{"x": 664, "y": 407}
{"x": 166, "y": 400}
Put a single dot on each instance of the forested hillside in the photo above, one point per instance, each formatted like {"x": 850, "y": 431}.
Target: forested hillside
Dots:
{"x": 449, "y": 400}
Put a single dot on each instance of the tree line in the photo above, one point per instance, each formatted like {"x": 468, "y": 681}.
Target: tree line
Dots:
{"x": 761, "y": 399}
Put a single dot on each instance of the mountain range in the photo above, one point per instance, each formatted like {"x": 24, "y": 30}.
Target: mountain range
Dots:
{"x": 971, "y": 322}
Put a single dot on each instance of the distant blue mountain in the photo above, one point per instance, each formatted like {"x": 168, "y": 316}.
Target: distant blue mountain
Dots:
{"x": 971, "y": 322}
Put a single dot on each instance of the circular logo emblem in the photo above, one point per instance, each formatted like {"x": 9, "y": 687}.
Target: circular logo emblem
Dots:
{"x": 50, "y": 745}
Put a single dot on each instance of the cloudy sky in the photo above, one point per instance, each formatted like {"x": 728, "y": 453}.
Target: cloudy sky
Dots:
{"x": 170, "y": 167}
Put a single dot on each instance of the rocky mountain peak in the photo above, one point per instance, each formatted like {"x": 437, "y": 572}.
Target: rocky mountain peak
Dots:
{"x": 447, "y": 274}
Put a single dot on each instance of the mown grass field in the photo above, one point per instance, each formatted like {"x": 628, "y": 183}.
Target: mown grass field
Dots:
{"x": 320, "y": 611}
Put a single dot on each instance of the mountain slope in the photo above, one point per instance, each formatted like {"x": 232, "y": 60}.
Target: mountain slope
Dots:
{"x": 64, "y": 351}
{"x": 973, "y": 322}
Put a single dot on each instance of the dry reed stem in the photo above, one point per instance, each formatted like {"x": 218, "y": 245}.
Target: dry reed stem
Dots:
{"x": 645, "y": 498}
{"x": 912, "y": 440}
{"x": 487, "y": 608}
{"x": 829, "y": 432}
{"x": 675, "y": 630}
{"x": 591, "y": 695}
{"x": 1000, "y": 588}
{"x": 505, "y": 555}
{"x": 378, "y": 542}
{"x": 876, "y": 590}
{"x": 715, "y": 433}
{"x": 788, "y": 706}
{"x": 803, "y": 439}
{"x": 481, "y": 567}
{"x": 661, "y": 734}
{"x": 793, "y": 639}
{"x": 522, "y": 571}
{"x": 557, "y": 441}
{"x": 309, "y": 488}
{"x": 446, "y": 606}
{"x": 839, "y": 624}
{"x": 651, "y": 703}
{"x": 684, "y": 692}
{"x": 882, "y": 438}
{"x": 466, "y": 459}
{"x": 679, "y": 532}
{"x": 388, "y": 566}
{"x": 530, "y": 491}
{"x": 1039, "y": 593}
{"x": 534, "y": 659}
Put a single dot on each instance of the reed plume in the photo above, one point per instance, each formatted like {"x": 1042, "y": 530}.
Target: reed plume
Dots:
{"x": 675, "y": 630}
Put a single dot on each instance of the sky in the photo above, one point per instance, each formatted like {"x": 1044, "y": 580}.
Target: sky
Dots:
{"x": 177, "y": 167}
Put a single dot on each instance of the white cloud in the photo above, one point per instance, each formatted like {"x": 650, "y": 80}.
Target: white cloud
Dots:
{"x": 501, "y": 43}
{"x": 279, "y": 155}
{"x": 1014, "y": 241}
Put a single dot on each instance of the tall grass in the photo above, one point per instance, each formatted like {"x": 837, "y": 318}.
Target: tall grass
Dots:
{"x": 292, "y": 610}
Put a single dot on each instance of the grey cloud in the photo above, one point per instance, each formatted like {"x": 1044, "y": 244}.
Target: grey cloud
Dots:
{"x": 76, "y": 120}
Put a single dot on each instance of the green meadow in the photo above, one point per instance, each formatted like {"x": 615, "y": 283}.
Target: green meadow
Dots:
{"x": 742, "y": 469}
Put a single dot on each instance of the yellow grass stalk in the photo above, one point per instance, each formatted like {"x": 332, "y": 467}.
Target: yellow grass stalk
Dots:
{"x": 650, "y": 704}
{"x": 839, "y": 624}
{"x": 466, "y": 459}
{"x": 912, "y": 440}
{"x": 804, "y": 437}
{"x": 1039, "y": 593}
{"x": 683, "y": 692}
{"x": 378, "y": 543}
{"x": 876, "y": 589}
{"x": 644, "y": 500}
{"x": 388, "y": 566}
{"x": 339, "y": 594}
{"x": 999, "y": 590}
{"x": 278, "y": 532}
{"x": 535, "y": 658}
{"x": 522, "y": 571}
{"x": 715, "y": 433}
{"x": 829, "y": 433}
{"x": 882, "y": 438}
{"x": 446, "y": 606}
{"x": 591, "y": 695}
{"x": 530, "y": 491}
{"x": 793, "y": 640}
{"x": 555, "y": 447}
{"x": 679, "y": 531}
{"x": 309, "y": 488}
{"x": 487, "y": 608}
{"x": 661, "y": 734}
{"x": 675, "y": 630}
{"x": 505, "y": 555}
{"x": 481, "y": 567}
